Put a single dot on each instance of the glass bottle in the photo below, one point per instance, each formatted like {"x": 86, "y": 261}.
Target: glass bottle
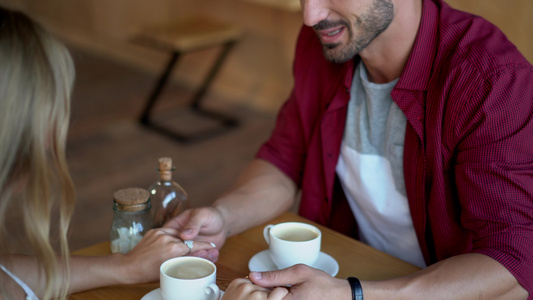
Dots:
{"x": 168, "y": 198}
{"x": 131, "y": 218}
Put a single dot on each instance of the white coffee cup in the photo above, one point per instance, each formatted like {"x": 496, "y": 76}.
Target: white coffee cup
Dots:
{"x": 293, "y": 243}
{"x": 188, "y": 278}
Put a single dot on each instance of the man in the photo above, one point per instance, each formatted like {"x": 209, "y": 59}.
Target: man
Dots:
{"x": 417, "y": 120}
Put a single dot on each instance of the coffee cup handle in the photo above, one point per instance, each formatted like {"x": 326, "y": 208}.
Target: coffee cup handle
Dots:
{"x": 216, "y": 291}
{"x": 266, "y": 233}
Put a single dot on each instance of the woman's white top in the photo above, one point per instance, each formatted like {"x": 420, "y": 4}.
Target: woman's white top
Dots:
{"x": 30, "y": 295}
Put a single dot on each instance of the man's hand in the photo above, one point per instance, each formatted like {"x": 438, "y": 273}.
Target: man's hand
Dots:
{"x": 305, "y": 283}
{"x": 242, "y": 288}
{"x": 201, "y": 224}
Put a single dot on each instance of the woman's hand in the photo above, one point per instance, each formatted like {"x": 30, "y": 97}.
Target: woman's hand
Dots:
{"x": 142, "y": 263}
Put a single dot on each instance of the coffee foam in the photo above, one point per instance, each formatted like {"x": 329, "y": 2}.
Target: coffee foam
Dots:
{"x": 191, "y": 269}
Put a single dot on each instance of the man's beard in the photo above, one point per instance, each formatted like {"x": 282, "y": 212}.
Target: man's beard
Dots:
{"x": 371, "y": 24}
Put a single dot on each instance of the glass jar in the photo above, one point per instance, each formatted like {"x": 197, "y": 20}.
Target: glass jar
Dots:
{"x": 131, "y": 218}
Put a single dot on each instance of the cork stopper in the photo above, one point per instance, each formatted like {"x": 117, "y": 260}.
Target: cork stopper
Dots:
{"x": 132, "y": 199}
{"x": 165, "y": 168}
{"x": 165, "y": 164}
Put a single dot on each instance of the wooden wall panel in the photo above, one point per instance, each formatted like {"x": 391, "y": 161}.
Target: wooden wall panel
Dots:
{"x": 258, "y": 71}
{"x": 513, "y": 17}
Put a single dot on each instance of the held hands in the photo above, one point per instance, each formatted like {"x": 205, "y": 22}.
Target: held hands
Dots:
{"x": 306, "y": 283}
{"x": 201, "y": 224}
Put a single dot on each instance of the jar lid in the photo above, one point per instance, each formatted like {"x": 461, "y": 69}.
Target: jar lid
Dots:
{"x": 131, "y": 196}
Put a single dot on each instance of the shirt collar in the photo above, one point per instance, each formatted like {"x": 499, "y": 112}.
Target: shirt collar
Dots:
{"x": 419, "y": 66}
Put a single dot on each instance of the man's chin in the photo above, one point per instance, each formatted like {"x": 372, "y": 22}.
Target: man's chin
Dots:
{"x": 335, "y": 55}
{"x": 330, "y": 46}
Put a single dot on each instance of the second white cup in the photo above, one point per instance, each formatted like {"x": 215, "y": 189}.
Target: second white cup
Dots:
{"x": 293, "y": 243}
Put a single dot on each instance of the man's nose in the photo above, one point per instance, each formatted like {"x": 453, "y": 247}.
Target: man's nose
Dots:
{"x": 314, "y": 11}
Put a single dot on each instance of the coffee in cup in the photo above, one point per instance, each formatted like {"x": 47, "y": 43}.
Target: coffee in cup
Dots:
{"x": 188, "y": 278}
{"x": 293, "y": 243}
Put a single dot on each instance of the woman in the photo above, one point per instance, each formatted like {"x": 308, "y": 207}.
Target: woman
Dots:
{"x": 36, "y": 77}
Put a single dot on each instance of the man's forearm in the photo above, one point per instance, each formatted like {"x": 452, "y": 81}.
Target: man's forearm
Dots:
{"x": 260, "y": 194}
{"x": 467, "y": 276}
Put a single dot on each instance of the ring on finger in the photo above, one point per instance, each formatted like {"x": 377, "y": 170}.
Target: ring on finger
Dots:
{"x": 189, "y": 244}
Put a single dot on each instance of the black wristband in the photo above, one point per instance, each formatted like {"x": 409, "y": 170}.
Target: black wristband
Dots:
{"x": 357, "y": 289}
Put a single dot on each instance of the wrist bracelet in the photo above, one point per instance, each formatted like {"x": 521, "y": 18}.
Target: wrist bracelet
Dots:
{"x": 357, "y": 289}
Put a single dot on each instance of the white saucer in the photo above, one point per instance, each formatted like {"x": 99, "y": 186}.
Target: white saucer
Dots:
{"x": 262, "y": 262}
{"x": 156, "y": 295}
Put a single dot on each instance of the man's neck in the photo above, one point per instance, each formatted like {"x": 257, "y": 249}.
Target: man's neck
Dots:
{"x": 387, "y": 55}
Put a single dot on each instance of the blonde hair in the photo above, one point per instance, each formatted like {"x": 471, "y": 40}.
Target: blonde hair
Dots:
{"x": 36, "y": 77}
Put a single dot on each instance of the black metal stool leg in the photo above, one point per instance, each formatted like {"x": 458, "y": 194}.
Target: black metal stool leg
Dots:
{"x": 226, "y": 121}
{"x": 199, "y": 95}
{"x": 161, "y": 82}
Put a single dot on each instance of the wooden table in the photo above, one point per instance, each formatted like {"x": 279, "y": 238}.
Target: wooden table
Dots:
{"x": 354, "y": 258}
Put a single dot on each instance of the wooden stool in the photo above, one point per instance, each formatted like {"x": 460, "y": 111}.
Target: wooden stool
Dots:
{"x": 188, "y": 35}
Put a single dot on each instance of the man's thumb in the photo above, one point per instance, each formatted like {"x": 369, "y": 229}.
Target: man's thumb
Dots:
{"x": 272, "y": 278}
{"x": 192, "y": 225}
